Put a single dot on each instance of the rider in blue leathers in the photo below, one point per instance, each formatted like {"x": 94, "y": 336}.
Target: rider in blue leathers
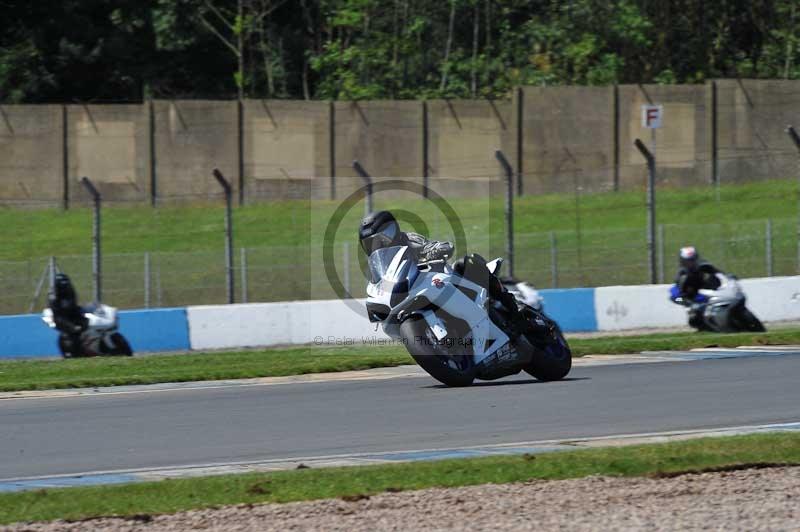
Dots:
{"x": 694, "y": 274}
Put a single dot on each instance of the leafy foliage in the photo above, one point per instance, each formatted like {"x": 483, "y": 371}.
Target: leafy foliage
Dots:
{"x": 113, "y": 50}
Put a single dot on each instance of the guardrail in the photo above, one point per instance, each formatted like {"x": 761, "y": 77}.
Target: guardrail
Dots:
{"x": 608, "y": 308}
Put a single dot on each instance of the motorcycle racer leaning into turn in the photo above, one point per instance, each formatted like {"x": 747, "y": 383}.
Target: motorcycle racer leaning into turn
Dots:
{"x": 380, "y": 230}
{"x": 693, "y": 275}
{"x": 67, "y": 314}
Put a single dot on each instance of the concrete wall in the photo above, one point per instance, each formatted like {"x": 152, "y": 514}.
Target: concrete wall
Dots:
{"x": 286, "y": 149}
{"x": 571, "y": 137}
{"x": 333, "y": 322}
{"x": 192, "y": 138}
{"x": 753, "y": 115}
{"x": 464, "y": 135}
{"x": 635, "y": 307}
{"x": 568, "y": 139}
{"x": 385, "y": 136}
{"x": 110, "y": 145}
{"x": 31, "y": 154}
{"x": 682, "y": 143}
{"x": 258, "y": 324}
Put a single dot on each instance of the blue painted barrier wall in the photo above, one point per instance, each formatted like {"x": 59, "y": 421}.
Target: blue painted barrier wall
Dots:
{"x": 572, "y": 308}
{"x": 27, "y": 336}
{"x": 155, "y": 330}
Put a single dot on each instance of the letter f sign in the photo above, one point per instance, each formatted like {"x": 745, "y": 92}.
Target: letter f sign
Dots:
{"x": 651, "y": 116}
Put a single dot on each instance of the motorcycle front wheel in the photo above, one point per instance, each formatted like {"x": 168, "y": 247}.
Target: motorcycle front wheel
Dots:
{"x": 68, "y": 347}
{"x": 747, "y": 321}
{"x": 448, "y": 364}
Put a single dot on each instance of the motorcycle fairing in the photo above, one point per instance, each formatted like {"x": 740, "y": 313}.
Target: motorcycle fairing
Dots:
{"x": 398, "y": 284}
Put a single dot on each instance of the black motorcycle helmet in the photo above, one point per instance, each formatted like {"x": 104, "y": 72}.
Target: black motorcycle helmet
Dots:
{"x": 378, "y": 230}
{"x": 689, "y": 258}
{"x": 63, "y": 289}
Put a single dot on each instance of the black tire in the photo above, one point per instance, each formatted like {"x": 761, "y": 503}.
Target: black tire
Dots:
{"x": 121, "y": 346}
{"x": 552, "y": 358}
{"x": 67, "y": 347}
{"x": 434, "y": 357}
{"x": 748, "y": 322}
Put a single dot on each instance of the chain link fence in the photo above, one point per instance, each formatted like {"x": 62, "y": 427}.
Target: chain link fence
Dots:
{"x": 554, "y": 259}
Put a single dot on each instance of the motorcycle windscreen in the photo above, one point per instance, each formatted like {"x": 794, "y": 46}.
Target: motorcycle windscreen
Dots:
{"x": 394, "y": 270}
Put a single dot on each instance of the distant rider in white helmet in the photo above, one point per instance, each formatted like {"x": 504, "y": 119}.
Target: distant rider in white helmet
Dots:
{"x": 694, "y": 274}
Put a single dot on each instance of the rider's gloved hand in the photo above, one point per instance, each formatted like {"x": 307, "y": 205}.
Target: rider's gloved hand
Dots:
{"x": 437, "y": 250}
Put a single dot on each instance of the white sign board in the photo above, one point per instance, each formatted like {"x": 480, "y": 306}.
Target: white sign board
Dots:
{"x": 652, "y": 115}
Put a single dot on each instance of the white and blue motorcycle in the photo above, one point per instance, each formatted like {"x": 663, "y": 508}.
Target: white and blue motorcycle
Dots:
{"x": 451, "y": 327}
{"x": 100, "y": 338}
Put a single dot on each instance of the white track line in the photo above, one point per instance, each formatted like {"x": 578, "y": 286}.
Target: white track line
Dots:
{"x": 354, "y": 459}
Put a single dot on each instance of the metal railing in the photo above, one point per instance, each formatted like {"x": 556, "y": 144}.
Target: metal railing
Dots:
{"x": 549, "y": 259}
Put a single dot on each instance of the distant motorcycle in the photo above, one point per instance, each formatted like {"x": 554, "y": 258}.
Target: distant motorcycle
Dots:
{"x": 721, "y": 310}
{"x": 451, "y": 327}
{"x": 100, "y": 338}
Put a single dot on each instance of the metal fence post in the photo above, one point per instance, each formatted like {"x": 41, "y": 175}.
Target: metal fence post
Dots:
{"x": 796, "y": 139}
{"x": 159, "y": 293}
{"x": 714, "y": 138}
{"x": 53, "y": 267}
{"x": 509, "y": 175}
{"x": 97, "y": 257}
{"x": 151, "y": 141}
{"x": 768, "y": 246}
{"x": 346, "y": 267}
{"x": 553, "y": 260}
{"x": 520, "y": 137}
{"x": 243, "y": 274}
{"x": 332, "y": 146}
{"x": 368, "y": 181}
{"x": 146, "y": 279}
{"x": 240, "y": 147}
{"x": 40, "y": 286}
{"x": 651, "y": 207}
{"x": 425, "y": 147}
{"x": 660, "y": 253}
{"x": 228, "y": 232}
{"x": 64, "y": 158}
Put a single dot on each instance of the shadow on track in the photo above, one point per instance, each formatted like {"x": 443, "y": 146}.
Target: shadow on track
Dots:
{"x": 509, "y": 383}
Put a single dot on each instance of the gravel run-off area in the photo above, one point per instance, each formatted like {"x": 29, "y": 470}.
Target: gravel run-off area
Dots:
{"x": 744, "y": 499}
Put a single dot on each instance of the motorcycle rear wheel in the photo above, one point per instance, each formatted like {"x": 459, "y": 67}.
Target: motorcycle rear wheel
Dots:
{"x": 121, "y": 346}
{"x": 435, "y": 357}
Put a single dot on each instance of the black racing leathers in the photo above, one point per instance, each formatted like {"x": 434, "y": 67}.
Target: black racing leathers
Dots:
{"x": 690, "y": 282}
{"x": 70, "y": 321}
{"x": 472, "y": 267}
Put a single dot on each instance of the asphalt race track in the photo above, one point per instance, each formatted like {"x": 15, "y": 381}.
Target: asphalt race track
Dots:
{"x": 110, "y": 432}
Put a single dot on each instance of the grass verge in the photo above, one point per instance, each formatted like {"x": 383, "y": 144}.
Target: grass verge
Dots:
{"x": 679, "y": 341}
{"x": 117, "y": 371}
{"x": 355, "y": 482}
{"x": 77, "y": 373}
